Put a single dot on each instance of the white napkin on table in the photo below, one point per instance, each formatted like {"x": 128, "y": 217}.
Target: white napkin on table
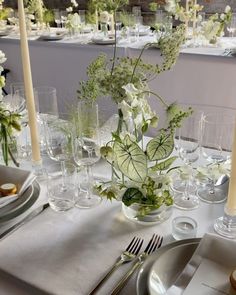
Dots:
{"x": 212, "y": 249}
{"x": 21, "y": 178}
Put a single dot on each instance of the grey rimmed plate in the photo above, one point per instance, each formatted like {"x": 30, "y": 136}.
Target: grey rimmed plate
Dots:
{"x": 161, "y": 269}
{"x": 33, "y": 193}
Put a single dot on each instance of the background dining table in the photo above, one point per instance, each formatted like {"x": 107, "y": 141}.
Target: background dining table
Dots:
{"x": 67, "y": 253}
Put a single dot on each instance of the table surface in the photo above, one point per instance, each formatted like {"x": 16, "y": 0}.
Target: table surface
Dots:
{"x": 67, "y": 253}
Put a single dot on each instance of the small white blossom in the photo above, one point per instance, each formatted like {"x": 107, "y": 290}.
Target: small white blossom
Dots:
{"x": 2, "y": 57}
{"x": 74, "y": 3}
{"x": 104, "y": 17}
{"x": 222, "y": 16}
{"x": 69, "y": 9}
{"x": 227, "y": 9}
{"x": 170, "y": 6}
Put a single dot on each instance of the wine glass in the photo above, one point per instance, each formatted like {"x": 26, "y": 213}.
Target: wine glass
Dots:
{"x": 86, "y": 150}
{"x": 58, "y": 135}
{"x": 57, "y": 17}
{"x": 188, "y": 142}
{"x": 216, "y": 148}
{"x": 231, "y": 28}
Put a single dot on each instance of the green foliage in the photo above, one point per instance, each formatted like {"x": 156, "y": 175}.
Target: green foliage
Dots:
{"x": 4, "y": 13}
{"x": 48, "y": 16}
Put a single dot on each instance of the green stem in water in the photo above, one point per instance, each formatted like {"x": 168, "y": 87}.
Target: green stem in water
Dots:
{"x": 120, "y": 122}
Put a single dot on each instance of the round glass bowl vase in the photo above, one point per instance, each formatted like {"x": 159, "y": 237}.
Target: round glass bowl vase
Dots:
{"x": 145, "y": 214}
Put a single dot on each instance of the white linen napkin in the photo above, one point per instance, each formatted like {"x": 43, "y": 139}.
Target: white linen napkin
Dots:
{"x": 21, "y": 178}
{"x": 212, "y": 249}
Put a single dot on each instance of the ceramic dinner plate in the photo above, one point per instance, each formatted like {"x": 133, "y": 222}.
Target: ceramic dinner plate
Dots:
{"x": 28, "y": 199}
{"x": 103, "y": 41}
{"x": 53, "y": 37}
{"x": 162, "y": 268}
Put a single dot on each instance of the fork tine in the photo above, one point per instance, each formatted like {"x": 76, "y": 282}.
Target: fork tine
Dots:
{"x": 138, "y": 247}
{"x": 154, "y": 242}
{"x": 149, "y": 244}
{"x": 130, "y": 244}
{"x": 131, "y": 250}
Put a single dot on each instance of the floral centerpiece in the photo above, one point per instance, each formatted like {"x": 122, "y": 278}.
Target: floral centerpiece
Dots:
{"x": 139, "y": 168}
{"x": 9, "y": 122}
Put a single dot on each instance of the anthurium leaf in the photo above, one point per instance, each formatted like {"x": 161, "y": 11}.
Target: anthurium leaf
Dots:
{"x": 160, "y": 147}
{"x": 164, "y": 165}
{"x": 130, "y": 159}
{"x": 132, "y": 195}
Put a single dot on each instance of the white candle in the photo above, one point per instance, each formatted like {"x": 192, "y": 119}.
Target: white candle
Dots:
{"x": 40, "y": 11}
{"x": 28, "y": 85}
{"x": 231, "y": 200}
{"x": 112, "y": 23}
{"x": 186, "y": 16}
{"x": 194, "y": 16}
{"x": 96, "y": 19}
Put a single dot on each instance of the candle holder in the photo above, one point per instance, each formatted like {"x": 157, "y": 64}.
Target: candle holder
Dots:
{"x": 226, "y": 225}
{"x": 38, "y": 169}
{"x": 184, "y": 227}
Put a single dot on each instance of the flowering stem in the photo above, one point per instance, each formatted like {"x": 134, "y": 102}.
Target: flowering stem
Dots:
{"x": 139, "y": 57}
{"x": 157, "y": 95}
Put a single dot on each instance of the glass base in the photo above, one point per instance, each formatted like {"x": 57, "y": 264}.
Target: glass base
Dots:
{"x": 180, "y": 186}
{"x": 219, "y": 195}
{"x": 151, "y": 217}
{"x": 86, "y": 201}
{"x": 186, "y": 203}
{"x": 226, "y": 226}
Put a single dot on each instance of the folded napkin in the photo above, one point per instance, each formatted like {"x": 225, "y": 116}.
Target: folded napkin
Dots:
{"x": 209, "y": 268}
{"x": 21, "y": 178}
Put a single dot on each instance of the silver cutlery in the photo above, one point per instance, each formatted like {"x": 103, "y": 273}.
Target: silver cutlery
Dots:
{"x": 128, "y": 255}
{"x": 153, "y": 244}
{"x": 26, "y": 219}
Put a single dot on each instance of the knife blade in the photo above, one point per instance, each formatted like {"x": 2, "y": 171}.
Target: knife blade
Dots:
{"x": 26, "y": 219}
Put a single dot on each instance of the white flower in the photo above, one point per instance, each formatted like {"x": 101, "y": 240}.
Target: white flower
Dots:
{"x": 69, "y": 9}
{"x": 104, "y": 17}
{"x": 222, "y": 16}
{"x": 131, "y": 91}
{"x": 75, "y": 20}
{"x": 227, "y": 9}
{"x": 2, "y": 57}
{"x": 74, "y": 3}
{"x": 170, "y": 6}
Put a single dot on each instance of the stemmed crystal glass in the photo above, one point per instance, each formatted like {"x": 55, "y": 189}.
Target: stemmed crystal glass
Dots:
{"x": 216, "y": 148}
{"x": 58, "y": 134}
{"x": 188, "y": 142}
{"x": 86, "y": 150}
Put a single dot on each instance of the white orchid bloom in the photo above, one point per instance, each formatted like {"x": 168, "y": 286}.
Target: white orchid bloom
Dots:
{"x": 131, "y": 91}
{"x": 227, "y": 9}
{"x": 222, "y": 16}
{"x": 74, "y": 3}
{"x": 126, "y": 109}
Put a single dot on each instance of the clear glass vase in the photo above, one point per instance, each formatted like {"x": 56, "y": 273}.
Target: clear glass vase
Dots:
{"x": 146, "y": 214}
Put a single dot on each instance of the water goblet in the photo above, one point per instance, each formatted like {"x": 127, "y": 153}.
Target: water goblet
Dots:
{"x": 58, "y": 135}
{"x": 86, "y": 150}
{"x": 216, "y": 148}
{"x": 188, "y": 137}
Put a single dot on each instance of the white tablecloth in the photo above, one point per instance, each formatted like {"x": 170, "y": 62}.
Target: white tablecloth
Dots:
{"x": 67, "y": 253}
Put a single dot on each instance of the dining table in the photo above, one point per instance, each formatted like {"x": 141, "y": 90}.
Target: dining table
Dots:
{"x": 67, "y": 253}
{"x": 63, "y": 64}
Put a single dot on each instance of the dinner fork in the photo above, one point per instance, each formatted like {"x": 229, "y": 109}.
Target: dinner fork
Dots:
{"x": 153, "y": 244}
{"x": 128, "y": 255}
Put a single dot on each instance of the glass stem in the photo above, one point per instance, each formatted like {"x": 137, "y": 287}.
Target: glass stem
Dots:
{"x": 212, "y": 186}
{"x": 63, "y": 173}
{"x": 89, "y": 180}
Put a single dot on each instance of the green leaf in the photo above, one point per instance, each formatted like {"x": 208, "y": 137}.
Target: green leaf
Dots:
{"x": 130, "y": 159}
{"x": 132, "y": 195}
{"x": 160, "y": 147}
{"x": 164, "y": 165}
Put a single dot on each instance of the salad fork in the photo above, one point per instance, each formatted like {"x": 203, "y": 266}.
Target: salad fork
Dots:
{"x": 153, "y": 244}
{"x": 128, "y": 255}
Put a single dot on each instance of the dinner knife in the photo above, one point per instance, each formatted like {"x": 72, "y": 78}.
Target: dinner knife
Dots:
{"x": 26, "y": 219}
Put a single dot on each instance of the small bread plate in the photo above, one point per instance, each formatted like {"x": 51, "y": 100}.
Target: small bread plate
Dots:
{"x": 161, "y": 269}
{"x": 23, "y": 203}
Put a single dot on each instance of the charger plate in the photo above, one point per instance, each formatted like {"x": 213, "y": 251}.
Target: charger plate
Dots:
{"x": 32, "y": 196}
{"x": 173, "y": 258}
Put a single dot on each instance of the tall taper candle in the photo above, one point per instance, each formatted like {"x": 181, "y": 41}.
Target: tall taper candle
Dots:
{"x": 28, "y": 85}
{"x": 231, "y": 201}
